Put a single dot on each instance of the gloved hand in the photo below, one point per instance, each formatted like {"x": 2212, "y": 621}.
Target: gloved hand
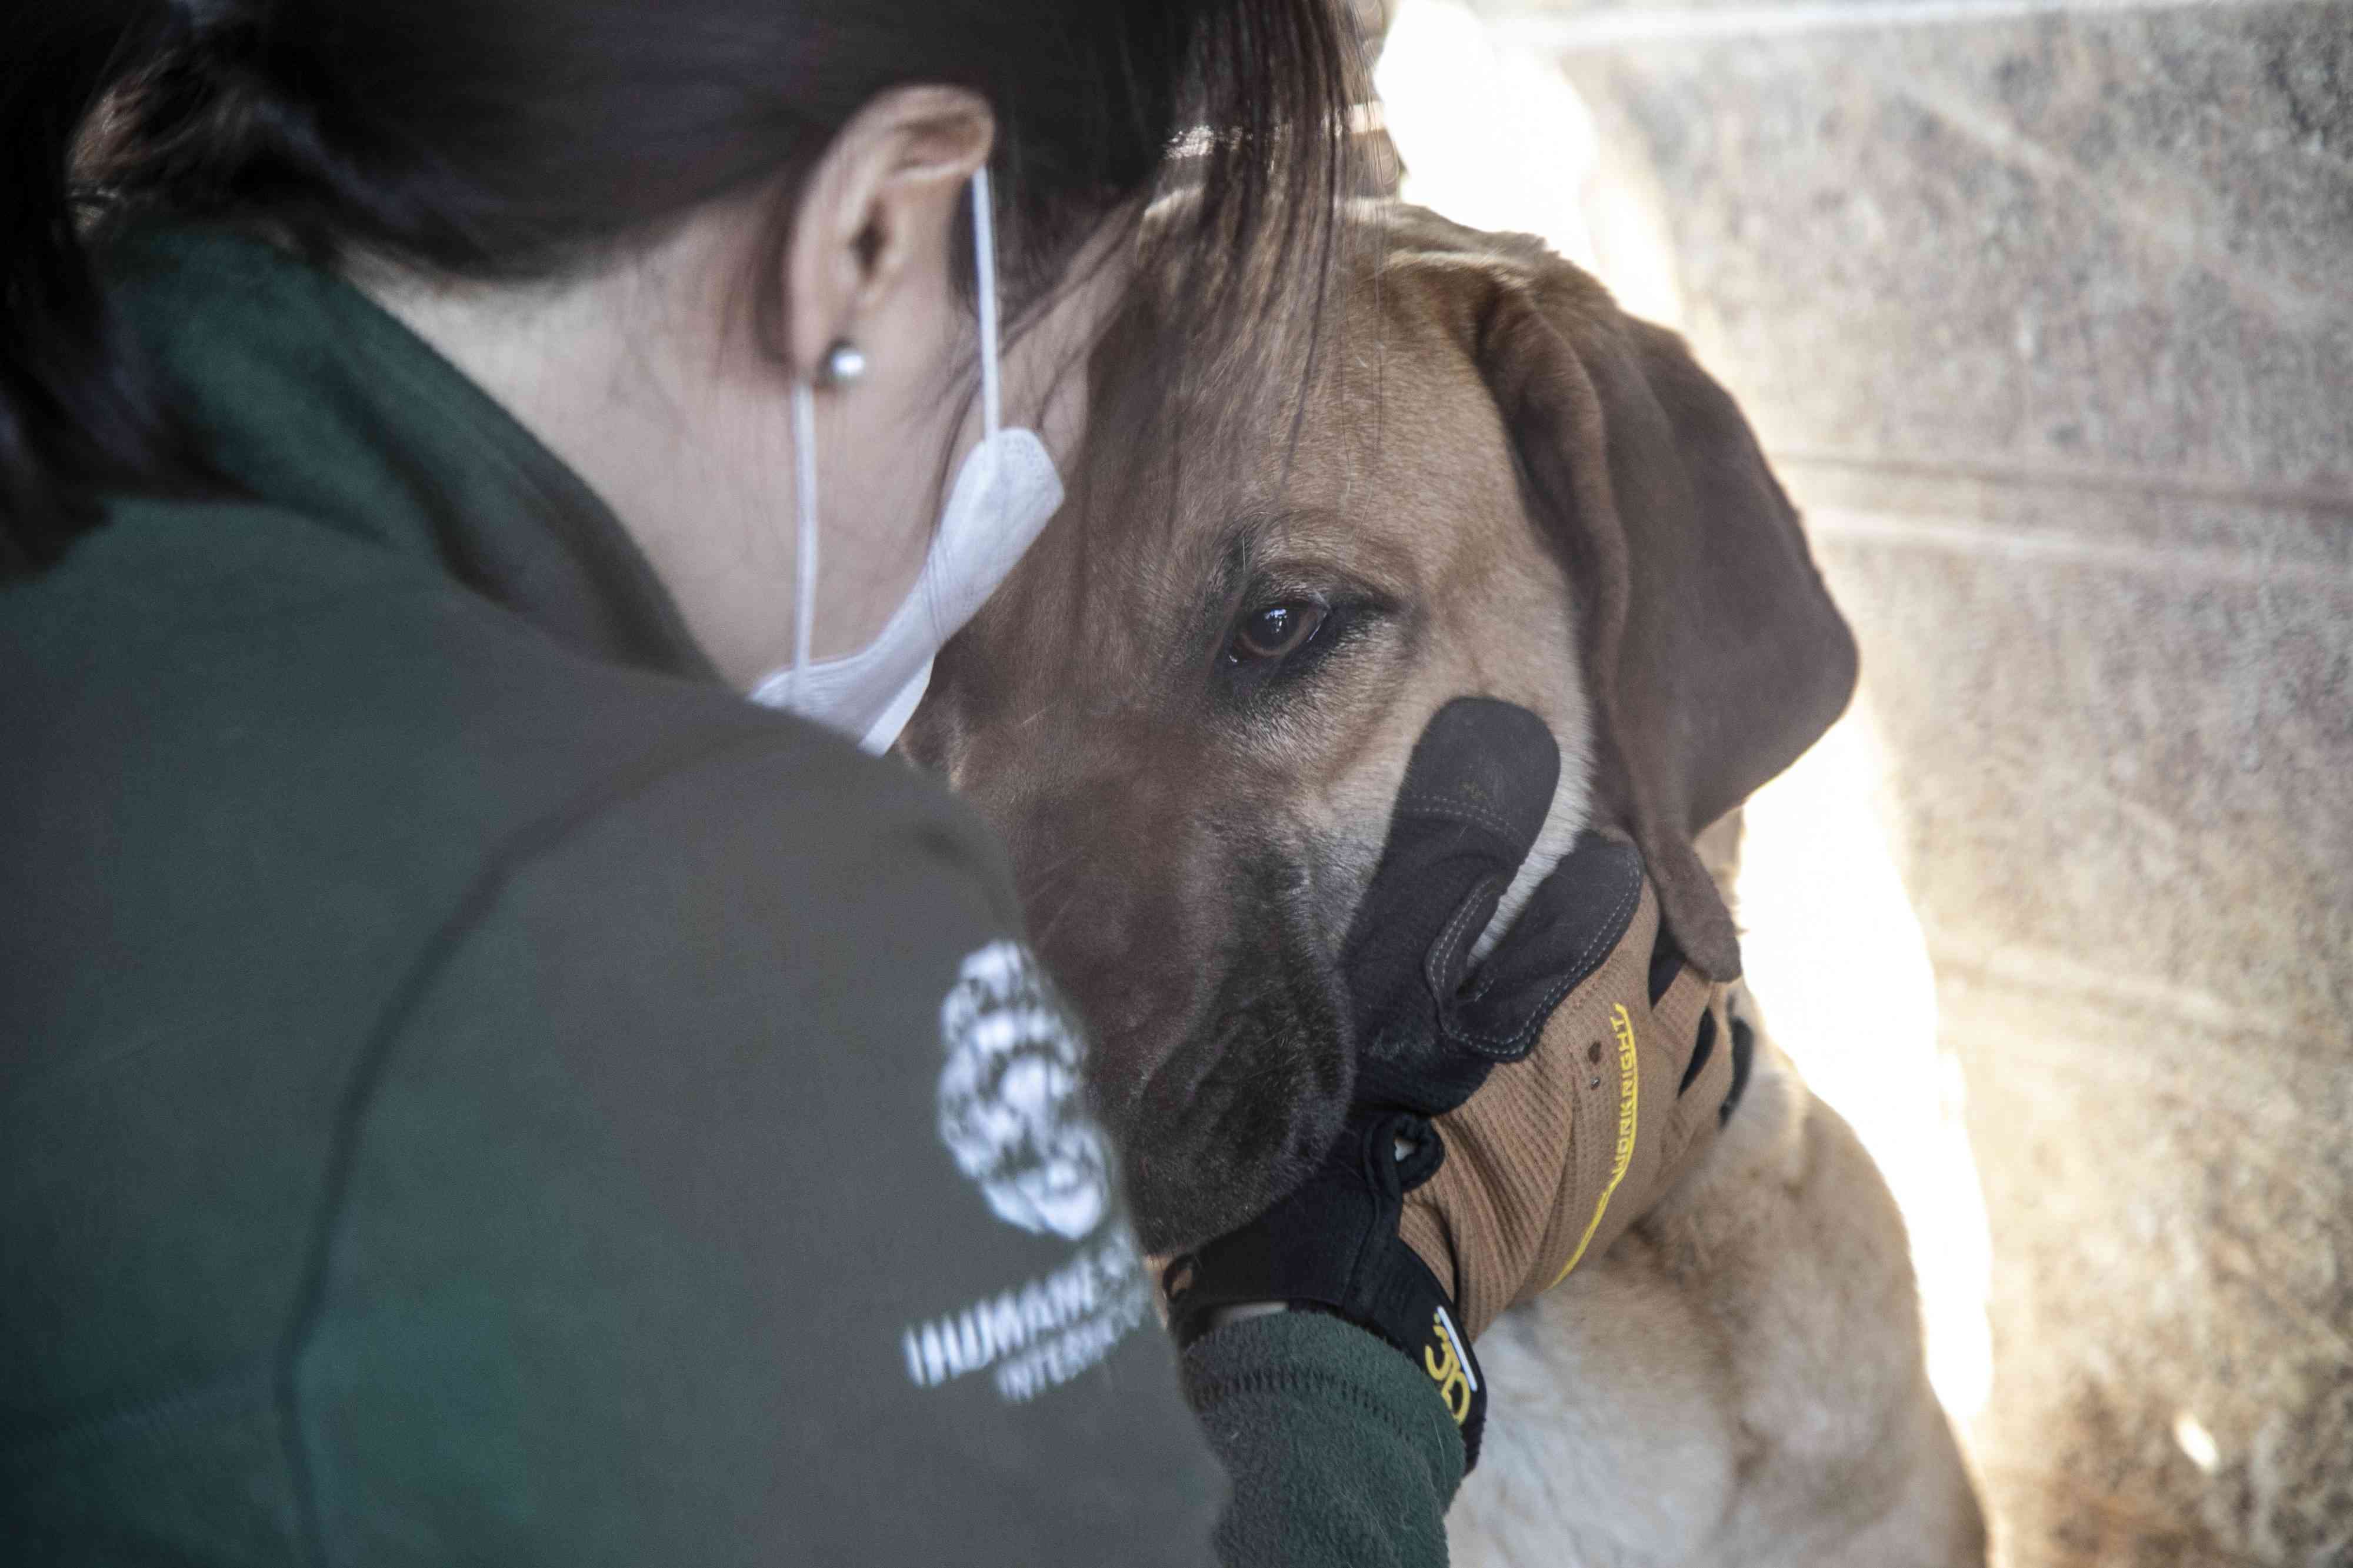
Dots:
{"x": 1423, "y": 1230}
{"x": 1576, "y": 1137}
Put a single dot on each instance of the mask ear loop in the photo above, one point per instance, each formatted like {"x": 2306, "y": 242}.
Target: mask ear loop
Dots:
{"x": 804, "y": 552}
{"x": 984, "y": 245}
{"x": 804, "y": 406}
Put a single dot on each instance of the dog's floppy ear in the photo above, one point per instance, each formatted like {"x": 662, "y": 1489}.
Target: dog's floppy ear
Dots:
{"x": 1715, "y": 652}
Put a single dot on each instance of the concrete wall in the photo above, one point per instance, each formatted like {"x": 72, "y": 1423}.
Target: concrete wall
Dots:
{"x": 2044, "y": 310}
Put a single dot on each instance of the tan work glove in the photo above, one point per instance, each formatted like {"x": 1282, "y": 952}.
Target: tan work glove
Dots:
{"x": 1555, "y": 1155}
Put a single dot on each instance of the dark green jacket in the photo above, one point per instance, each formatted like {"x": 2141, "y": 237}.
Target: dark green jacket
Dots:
{"x": 474, "y": 1089}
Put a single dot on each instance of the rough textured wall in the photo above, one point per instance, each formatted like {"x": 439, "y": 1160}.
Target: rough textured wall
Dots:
{"x": 2045, "y": 313}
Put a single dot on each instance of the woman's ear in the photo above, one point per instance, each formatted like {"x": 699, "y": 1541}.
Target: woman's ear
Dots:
{"x": 1713, "y": 650}
{"x": 875, "y": 213}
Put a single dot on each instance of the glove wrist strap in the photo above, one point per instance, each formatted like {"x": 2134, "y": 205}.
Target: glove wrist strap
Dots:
{"x": 1333, "y": 1247}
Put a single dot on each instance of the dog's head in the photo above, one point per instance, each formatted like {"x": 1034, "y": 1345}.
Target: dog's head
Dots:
{"x": 1189, "y": 710}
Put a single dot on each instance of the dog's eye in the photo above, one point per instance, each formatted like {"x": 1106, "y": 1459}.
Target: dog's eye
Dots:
{"x": 1276, "y": 631}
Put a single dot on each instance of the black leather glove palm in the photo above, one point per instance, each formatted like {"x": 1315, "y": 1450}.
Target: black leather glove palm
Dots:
{"x": 1475, "y": 798}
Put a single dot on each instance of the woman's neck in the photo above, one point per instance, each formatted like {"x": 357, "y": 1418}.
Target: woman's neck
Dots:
{"x": 637, "y": 376}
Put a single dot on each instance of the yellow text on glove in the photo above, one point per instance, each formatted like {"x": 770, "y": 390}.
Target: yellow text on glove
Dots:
{"x": 1629, "y": 1105}
{"x": 1444, "y": 1363}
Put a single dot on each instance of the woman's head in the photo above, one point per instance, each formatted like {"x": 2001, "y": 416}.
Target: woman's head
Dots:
{"x": 517, "y": 139}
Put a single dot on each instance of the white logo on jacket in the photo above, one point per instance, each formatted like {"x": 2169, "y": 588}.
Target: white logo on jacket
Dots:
{"x": 1012, "y": 1110}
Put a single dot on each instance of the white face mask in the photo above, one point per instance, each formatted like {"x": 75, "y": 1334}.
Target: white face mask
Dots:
{"x": 1003, "y": 495}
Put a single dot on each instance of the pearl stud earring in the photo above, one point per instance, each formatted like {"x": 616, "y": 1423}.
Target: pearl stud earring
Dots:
{"x": 844, "y": 364}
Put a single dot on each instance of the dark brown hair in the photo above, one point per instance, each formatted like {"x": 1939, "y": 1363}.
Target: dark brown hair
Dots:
{"x": 490, "y": 139}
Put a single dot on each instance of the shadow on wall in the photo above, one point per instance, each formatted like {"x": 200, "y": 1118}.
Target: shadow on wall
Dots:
{"x": 2043, "y": 311}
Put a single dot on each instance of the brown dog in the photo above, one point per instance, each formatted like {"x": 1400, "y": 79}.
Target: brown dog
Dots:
{"x": 1190, "y": 716}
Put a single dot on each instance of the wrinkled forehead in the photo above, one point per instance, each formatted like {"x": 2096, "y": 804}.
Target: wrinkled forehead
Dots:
{"x": 1374, "y": 454}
